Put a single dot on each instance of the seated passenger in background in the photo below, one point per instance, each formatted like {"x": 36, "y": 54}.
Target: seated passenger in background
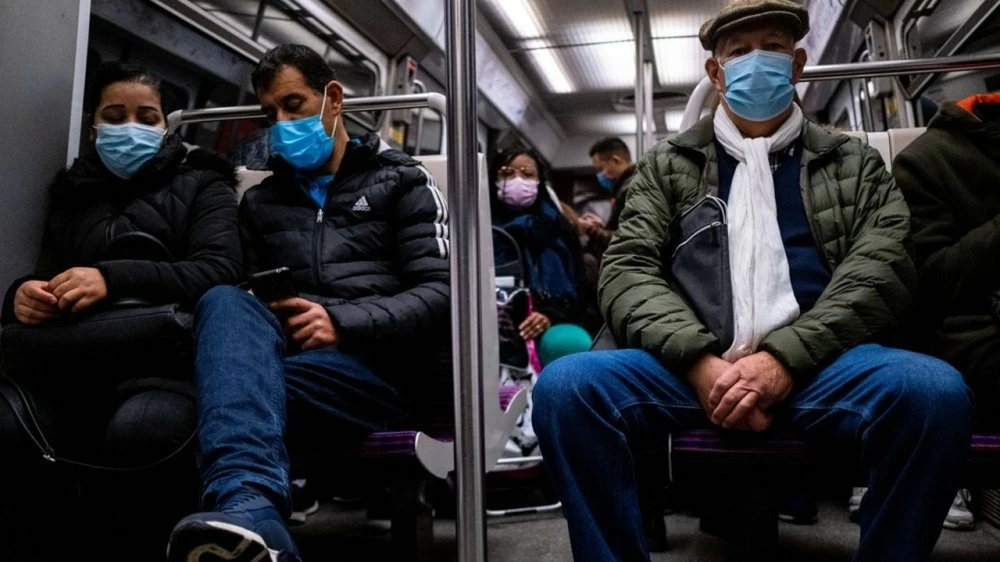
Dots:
{"x": 950, "y": 178}
{"x": 135, "y": 179}
{"x": 612, "y": 161}
{"x": 548, "y": 249}
{"x": 816, "y": 279}
{"x": 364, "y": 230}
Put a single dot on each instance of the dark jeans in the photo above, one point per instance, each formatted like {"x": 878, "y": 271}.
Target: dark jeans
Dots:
{"x": 910, "y": 415}
{"x": 247, "y": 382}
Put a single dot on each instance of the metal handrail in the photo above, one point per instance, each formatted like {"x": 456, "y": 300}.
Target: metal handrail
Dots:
{"x": 900, "y": 67}
{"x": 179, "y": 118}
{"x": 704, "y": 90}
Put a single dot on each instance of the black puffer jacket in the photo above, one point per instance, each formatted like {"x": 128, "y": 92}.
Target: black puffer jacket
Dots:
{"x": 185, "y": 200}
{"x": 376, "y": 255}
{"x": 950, "y": 177}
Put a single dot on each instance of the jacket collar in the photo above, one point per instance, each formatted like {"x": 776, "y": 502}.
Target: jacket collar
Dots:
{"x": 816, "y": 141}
{"x": 968, "y": 115}
{"x": 970, "y": 103}
{"x": 623, "y": 181}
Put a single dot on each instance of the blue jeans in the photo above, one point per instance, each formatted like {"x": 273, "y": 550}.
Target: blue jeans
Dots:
{"x": 245, "y": 383}
{"x": 910, "y": 415}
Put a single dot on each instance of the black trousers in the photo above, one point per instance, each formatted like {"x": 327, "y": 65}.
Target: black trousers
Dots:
{"x": 51, "y": 510}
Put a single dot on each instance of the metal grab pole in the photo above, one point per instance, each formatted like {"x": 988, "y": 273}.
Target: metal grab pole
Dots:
{"x": 899, "y": 67}
{"x": 640, "y": 83}
{"x": 647, "y": 79}
{"x": 182, "y": 117}
{"x": 463, "y": 198}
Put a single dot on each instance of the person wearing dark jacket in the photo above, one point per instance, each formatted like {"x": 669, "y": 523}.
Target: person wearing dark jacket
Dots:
{"x": 364, "y": 231}
{"x": 547, "y": 247}
{"x": 758, "y": 274}
{"x": 135, "y": 182}
{"x": 612, "y": 160}
{"x": 950, "y": 177}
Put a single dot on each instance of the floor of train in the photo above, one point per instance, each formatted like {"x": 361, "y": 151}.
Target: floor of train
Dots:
{"x": 543, "y": 538}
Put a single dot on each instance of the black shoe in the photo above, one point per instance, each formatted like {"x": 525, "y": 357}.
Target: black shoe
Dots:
{"x": 304, "y": 502}
{"x": 246, "y": 529}
{"x": 798, "y": 511}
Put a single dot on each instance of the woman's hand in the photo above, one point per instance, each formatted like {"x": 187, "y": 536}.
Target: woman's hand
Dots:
{"x": 78, "y": 288}
{"x": 534, "y": 325}
{"x": 34, "y": 303}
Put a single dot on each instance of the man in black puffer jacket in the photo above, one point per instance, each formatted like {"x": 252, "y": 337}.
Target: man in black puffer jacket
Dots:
{"x": 363, "y": 229}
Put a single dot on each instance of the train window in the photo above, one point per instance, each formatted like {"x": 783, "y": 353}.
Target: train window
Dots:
{"x": 929, "y": 27}
{"x": 426, "y": 127}
{"x": 281, "y": 22}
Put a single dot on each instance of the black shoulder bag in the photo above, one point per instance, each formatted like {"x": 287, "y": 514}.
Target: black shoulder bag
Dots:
{"x": 118, "y": 340}
{"x": 699, "y": 265}
{"x": 121, "y": 339}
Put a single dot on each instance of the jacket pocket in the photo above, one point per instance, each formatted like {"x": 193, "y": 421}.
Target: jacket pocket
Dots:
{"x": 699, "y": 266}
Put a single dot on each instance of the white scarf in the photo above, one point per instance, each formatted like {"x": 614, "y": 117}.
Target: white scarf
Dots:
{"x": 762, "y": 289}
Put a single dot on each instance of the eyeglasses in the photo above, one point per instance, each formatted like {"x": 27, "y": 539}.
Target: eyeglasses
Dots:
{"x": 508, "y": 172}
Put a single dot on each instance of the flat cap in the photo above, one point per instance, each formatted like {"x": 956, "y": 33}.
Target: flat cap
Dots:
{"x": 742, "y": 12}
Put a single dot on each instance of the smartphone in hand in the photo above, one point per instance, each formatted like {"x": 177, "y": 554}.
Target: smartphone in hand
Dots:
{"x": 273, "y": 284}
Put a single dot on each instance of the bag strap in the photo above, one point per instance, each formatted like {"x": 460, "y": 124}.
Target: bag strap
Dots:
{"x": 14, "y": 395}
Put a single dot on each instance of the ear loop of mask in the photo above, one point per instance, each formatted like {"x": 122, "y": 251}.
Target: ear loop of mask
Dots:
{"x": 322, "y": 108}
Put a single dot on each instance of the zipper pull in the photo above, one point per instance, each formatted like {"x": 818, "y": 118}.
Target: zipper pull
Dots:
{"x": 319, "y": 216}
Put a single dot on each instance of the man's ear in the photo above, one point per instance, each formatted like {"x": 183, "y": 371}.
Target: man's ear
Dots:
{"x": 716, "y": 74}
{"x": 335, "y": 96}
{"x": 798, "y": 64}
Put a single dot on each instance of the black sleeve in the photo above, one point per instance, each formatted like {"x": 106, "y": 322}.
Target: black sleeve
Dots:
{"x": 214, "y": 255}
{"x": 422, "y": 308}
{"x": 952, "y": 263}
{"x": 250, "y": 262}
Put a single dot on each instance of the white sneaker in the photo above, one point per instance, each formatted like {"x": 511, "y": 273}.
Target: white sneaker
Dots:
{"x": 959, "y": 517}
{"x": 854, "y": 504}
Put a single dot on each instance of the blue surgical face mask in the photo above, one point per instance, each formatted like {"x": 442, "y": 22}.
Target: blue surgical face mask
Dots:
{"x": 126, "y": 148}
{"x": 303, "y": 143}
{"x": 605, "y": 181}
{"x": 759, "y": 85}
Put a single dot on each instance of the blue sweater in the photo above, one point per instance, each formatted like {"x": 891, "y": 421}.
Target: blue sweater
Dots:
{"x": 808, "y": 271}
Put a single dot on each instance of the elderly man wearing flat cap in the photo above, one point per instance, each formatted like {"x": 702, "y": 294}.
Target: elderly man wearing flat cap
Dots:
{"x": 756, "y": 282}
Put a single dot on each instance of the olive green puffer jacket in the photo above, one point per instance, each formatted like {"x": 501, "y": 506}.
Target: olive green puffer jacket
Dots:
{"x": 857, "y": 216}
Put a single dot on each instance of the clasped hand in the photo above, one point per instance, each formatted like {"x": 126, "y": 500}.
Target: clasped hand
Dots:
{"x": 73, "y": 290}
{"x": 739, "y": 395}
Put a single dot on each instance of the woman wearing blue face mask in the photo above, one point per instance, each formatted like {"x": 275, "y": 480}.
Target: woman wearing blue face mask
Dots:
{"x": 137, "y": 216}
{"x": 137, "y": 179}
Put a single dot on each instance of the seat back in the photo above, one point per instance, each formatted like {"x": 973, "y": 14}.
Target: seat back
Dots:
{"x": 497, "y": 423}
{"x": 247, "y": 179}
{"x": 890, "y": 143}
